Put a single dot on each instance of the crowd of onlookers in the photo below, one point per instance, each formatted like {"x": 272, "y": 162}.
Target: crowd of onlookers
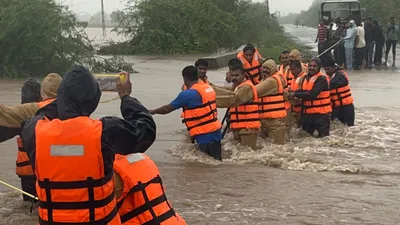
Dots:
{"x": 355, "y": 44}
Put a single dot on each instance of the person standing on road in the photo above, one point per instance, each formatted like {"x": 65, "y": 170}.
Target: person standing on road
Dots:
{"x": 360, "y": 46}
{"x": 393, "y": 36}
{"x": 379, "y": 43}
{"x": 370, "y": 36}
{"x": 316, "y": 104}
{"x": 199, "y": 112}
{"x": 337, "y": 36}
{"x": 322, "y": 36}
{"x": 351, "y": 34}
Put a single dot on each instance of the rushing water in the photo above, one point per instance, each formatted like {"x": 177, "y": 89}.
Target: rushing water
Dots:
{"x": 351, "y": 177}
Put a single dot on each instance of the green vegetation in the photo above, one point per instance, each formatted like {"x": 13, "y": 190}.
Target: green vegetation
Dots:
{"x": 194, "y": 26}
{"x": 379, "y": 10}
{"x": 38, "y": 37}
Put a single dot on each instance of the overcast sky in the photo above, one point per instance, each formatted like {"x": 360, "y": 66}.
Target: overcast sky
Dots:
{"x": 93, "y": 6}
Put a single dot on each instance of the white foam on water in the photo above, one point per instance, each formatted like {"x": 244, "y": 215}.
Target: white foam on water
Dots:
{"x": 369, "y": 147}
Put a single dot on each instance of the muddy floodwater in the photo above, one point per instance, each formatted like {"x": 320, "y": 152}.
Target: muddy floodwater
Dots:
{"x": 351, "y": 177}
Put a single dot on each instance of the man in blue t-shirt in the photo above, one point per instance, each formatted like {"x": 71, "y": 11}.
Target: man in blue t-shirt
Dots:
{"x": 209, "y": 143}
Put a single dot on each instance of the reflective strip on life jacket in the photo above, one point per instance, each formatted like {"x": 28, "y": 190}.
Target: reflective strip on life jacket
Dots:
{"x": 341, "y": 96}
{"x": 246, "y": 116}
{"x": 143, "y": 199}
{"x": 273, "y": 106}
{"x": 253, "y": 70}
{"x": 322, "y": 104}
{"x": 23, "y": 166}
{"x": 72, "y": 186}
{"x": 202, "y": 119}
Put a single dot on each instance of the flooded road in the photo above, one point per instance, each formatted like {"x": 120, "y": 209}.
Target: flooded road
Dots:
{"x": 351, "y": 177}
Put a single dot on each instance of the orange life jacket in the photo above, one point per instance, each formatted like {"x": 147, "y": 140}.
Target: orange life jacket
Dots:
{"x": 202, "y": 119}
{"x": 246, "y": 116}
{"x": 296, "y": 86}
{"x": 72, "y": 186}
{"x": 273, "y": 106}
{"x": 23, "y": 166}
{"x": 143, "y": 199}
{"x": 290, "y": 80}
{"x": 252, "y": 69}
{"x": 184, "y": 88}
{"x": 341, "y": 96}
{"x": 322, "y": 104}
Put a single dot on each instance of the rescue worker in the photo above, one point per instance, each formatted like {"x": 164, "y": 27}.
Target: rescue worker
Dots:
{"x": 316, "y": 103}
{"x": 199, "y": 112}
{"x": 284, "y": 61}
{"x": 243, "y": 103}
{"x": 298, "y": 75}
{"x": 202, "y": 68}
{"x": 30, "y": 93}
{"x": 252, "y": 61}
{"x": 272, "y": 103}
{"x": 13, "y": 116}
{"x": 289, "y": 78}
{"x": 140, "y": 196}
{"x": 73, "y": 155}
{"x": 341, "y": 98}
{"x": 33, "y": 98}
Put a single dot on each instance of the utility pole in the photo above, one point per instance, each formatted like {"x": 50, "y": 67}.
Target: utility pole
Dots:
{"x": 268, "y": 12}
{"x": 103, "y": 23}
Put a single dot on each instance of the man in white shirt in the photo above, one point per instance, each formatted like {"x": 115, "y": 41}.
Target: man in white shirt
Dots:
{"x": 360, "y": 46}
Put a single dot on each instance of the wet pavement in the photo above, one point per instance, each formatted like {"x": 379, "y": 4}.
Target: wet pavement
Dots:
{"x": 351, "y": 177}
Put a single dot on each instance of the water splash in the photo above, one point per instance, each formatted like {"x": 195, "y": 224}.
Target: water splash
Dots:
{"x": 369, "y": 147}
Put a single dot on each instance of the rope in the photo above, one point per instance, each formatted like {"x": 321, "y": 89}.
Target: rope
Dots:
{"x": 329, "y": 48}
{"x": 17, "y": 189}
{"x": 107, "y": 101}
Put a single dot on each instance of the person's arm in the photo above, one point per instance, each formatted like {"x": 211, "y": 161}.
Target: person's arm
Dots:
{"x": 165, "y": 109}
{"x": 7, "y": 133}
{"x": 180, "y": 101}
{"x": 135, "y": 133}
{"x": 320, "y": 84}
{"x": 28, "y": 136}
{"x": 267, "y": 87}
{"x": 222, "y": 90}
{"x": 338, "y": 81}
{"x": 13, "y": 116}
{"x": 242, "y": 95}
